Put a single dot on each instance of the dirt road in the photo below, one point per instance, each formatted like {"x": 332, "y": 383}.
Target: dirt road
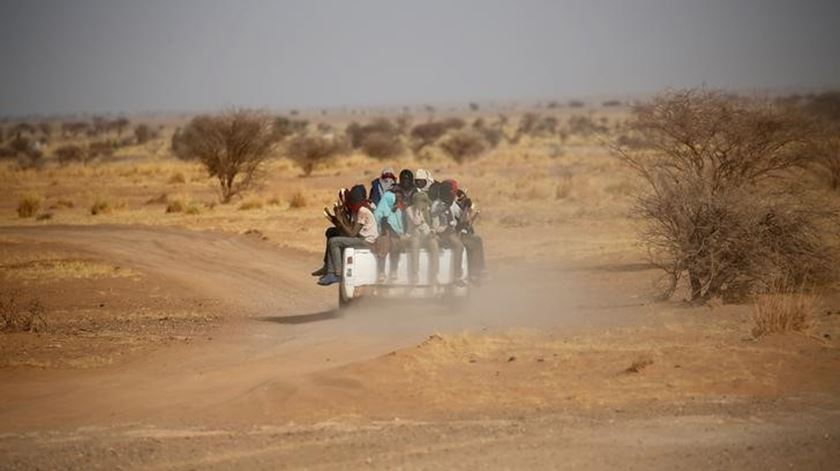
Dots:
{"x": 240, "y": 396}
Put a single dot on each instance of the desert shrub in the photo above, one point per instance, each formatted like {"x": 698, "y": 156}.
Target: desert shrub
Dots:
{"x": 584, "y": 126}
{"x": 232, "y": 146}
{"x": 298, "y": 200}
{"x": 175, "y": 205}
{"x": 28, "y": 205}
{"x": 16, "y": 316}
{"x": 383, "y": 128}
{"x": 100, "y": 206}
{"x": 177, "y": 178}
{"x": 21, "y": 144}
{"x": 426, "y": 134}
{"x": 492, "y": 134}
{"x": 310, "y": 151}
{"x": 611, "y": 103}
{"x": 576, "y": 104}
{"x": 381, "y": 145}
{"x": 463, "y": 144}
{"x": 285, "y": 127}
{"x": 70, "y": 153}
{"x": 711, "y": 214}
{"x": 33, "y": 158}
{"x": 100, "y": 149}
{"x": 180, "y": 204}
{"x": 783, "y": 308}
{"x": 144, "y": 133}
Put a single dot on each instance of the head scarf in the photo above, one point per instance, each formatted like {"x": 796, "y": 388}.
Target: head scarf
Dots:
{"x": 387, "y": 179}
{"x": 406, "y": 180}
{"x": 426, "y": 176}
{"x": 448, "y": 189}
{"x": 356, "y": 198}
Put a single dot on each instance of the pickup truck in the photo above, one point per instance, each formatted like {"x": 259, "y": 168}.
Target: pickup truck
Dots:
{"x": 360, "y": 277}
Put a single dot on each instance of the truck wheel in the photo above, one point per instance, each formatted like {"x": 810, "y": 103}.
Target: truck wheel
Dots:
{"x": 343, "y": 301}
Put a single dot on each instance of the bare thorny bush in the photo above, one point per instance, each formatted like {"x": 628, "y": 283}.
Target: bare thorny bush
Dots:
{"x": 232, "y": 146}
{"x": 18, "y": 316}
{"x": 721, "y": 208}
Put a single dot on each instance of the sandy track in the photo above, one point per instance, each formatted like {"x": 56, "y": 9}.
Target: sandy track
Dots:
{"x": 281, "y": 326}
{"x": 233, "y": 399}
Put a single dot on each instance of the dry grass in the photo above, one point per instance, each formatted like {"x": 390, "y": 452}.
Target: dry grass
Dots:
{"x": 181, "y": 204}
{"x": 44, "y": 270}
{"x": 100, "y": 206}
{"x": 18, "y": 316}
{"x": 250, "y": 204}
{"x": 28, "y": 205}
{"x": 298, "y": 200}
{"x": 177, "y": 179}
{"x": 787, "y": 310}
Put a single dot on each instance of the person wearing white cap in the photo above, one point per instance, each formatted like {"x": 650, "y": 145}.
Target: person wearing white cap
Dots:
{"x": 423, "y": 179}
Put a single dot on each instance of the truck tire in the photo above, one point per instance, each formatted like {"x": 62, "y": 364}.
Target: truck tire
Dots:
{"x": 343, "y": 302}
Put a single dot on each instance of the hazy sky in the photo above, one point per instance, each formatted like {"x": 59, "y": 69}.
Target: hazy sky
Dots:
{"x": 120, "y": 56}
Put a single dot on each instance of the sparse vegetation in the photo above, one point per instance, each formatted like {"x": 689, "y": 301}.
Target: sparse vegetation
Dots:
{"x": 310, "y": 151}
{"x": 380, "y": 145}
{"x": 16, "y": 316}
{"x": 177, "y": 178}
{"x": 100, "y": 206}
{"x": 251, "y": 203}
{"x": 463, "y": 144}
{"x": 70, "y": 153}
{"x": 29, "y": 205}
{"x": 297, "y": 200}
{"x": 783, "y": 308}
{"x": 232, "y": 146}
{"x": 712, "y": 213}
{"x": 143, "y": 133}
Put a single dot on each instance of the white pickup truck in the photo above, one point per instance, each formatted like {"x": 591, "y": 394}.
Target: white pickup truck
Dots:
{"x": 360, "y": 277}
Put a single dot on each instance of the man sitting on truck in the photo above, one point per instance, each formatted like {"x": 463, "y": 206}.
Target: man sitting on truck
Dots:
{"x": 360, "y": 232}
{"x": 472, "y": 241}
{"x": 391, "y": 234}
{"x": 419, "y": 227}
{"x": 384, "y": 183}
{"x": 445, "y": 214}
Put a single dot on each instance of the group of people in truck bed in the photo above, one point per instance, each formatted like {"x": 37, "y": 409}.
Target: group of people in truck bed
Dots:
{"x": 408, "y": 213}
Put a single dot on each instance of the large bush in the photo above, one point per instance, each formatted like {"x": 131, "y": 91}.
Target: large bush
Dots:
{"x": 309, "y": 151}
{"x": 232, "y": 146}
{"x": 719, "y": 206}
{"x": 70, "y": 153}
{"x": 463, "y": 144}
